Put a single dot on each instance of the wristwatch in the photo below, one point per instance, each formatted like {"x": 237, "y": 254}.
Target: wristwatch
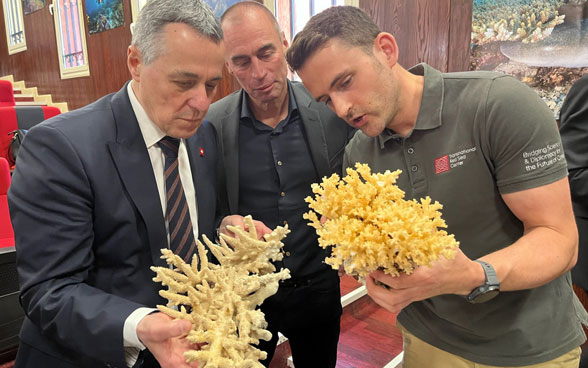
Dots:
{"x": 489, "y": 289}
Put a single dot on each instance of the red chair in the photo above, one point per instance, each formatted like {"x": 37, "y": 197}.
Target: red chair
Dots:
{"x": 29, "y": 116}
{"x": 8, "y": 123}
{"x": 12, "y": 315}
{"x": 21, "y": 117}
{"x": 6, "y": 93}
{"x": 6, "y": 231}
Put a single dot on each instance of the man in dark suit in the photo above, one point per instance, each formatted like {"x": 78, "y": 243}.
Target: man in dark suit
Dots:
{"x": 574, "y": 137}
{"x": 276, "y": 141}
{"x": 89, "y": 208}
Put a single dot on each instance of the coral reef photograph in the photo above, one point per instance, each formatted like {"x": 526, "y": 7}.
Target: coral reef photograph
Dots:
{"x": 543, "y": 43}
{"x": 29, "y": 6}
{"x": 103, "y": 15}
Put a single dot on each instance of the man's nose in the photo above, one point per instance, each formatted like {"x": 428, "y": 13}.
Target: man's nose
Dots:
{"x": 258, "y": 70}
{"x": 341, "y": 107}
{"x": 199, "y": 98}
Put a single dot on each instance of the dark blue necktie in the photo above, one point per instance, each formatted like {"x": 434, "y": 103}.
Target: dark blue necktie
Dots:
{"x": 181, "y": 234}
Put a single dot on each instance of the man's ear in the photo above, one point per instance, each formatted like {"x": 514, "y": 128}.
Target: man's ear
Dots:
{"x": 134, "y": 62}
{"x": 227, "y": 65}
{"x": 385, "y": 45}
{"x": 284, "y": 41}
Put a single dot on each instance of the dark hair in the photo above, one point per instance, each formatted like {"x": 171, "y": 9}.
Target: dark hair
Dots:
{"x": 346, "y": 23}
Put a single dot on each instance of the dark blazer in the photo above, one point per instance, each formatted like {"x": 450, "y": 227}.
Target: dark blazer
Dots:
{"x": 574, "y": 136}
{"x": 326, "y": 135}
{"x": 88, "y": 224}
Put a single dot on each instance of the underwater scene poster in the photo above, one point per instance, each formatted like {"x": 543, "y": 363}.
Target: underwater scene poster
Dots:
{"x": 219, "y": 6}
{"x": 543, "y": 43}
{"x": 30, "y": 6}
{"x": 103, "y": 15}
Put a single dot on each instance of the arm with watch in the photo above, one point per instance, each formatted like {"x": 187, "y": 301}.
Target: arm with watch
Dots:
{"x": 546, "y": 250}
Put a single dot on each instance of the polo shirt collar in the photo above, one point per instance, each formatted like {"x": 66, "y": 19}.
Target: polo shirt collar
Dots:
{"x": 431, "y": 108}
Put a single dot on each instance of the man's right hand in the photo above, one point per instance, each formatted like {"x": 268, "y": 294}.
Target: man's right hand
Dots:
{"x": 237, "y": 220}
{"x": 165, "y": 339}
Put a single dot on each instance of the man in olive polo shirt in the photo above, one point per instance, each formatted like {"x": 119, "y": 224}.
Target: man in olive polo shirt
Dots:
{"x": 488, "y": 149}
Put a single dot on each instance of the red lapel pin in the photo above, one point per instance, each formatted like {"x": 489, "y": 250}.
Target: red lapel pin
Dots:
{"x": 201, "y": 152}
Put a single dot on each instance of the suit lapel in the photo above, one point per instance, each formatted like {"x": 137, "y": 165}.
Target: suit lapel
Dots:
{"x": 204, "y": 200}
{"x": 134, "y": 167}
{"x": 230, "y": 149}
{"x": 315, "y": 134}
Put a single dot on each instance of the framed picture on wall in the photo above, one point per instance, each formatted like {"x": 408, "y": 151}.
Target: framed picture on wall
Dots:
{"x": 70, "y": 34}
{"x": 218, "y": 6}
{"x": 543, "y": 43}
{"x": 30, "y": 6}
{"x": 103, "y": 15}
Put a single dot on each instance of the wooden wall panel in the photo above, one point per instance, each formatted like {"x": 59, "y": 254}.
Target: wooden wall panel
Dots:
{"x": 38, "y": 66}
{"x": 227, "y": 86}
{"x": 431, "y": 31}
{"x": 460, "y": 36}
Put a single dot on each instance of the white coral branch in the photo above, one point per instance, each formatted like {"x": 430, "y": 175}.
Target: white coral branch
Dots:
{"x": 221, "y": 299}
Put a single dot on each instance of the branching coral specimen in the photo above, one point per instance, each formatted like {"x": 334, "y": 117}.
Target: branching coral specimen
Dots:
{"x": 221, "y": 299}
{"x": 529, "y": 21}
{"x": 370, "y": 226}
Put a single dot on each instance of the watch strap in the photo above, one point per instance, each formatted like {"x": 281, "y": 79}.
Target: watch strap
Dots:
{"x": 489, "y": 289}
{"x": 491, "y": 277}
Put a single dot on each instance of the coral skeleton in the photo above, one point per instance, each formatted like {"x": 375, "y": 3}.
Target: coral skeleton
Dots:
{"x": 528, "y": 21}
{"x": 220, "y": 300}
{"x": 370, "y": 226}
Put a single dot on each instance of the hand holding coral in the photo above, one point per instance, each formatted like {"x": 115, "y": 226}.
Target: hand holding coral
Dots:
{"x": 220, "y": 300}
{"x": 370, "y": 226}
{"x": 166, "y": 339}
{"x": 237, "y": 220}
{"x": 458, "y": 275}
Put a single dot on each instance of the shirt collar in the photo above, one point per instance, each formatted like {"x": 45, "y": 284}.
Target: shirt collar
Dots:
{"x": 246, "y": 112}
{"x": 431, "y": 109}
{"x": 151, "y": 132}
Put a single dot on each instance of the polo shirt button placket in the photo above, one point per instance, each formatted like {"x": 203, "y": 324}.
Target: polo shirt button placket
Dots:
{"x": 414, "y": 168}
{"x": 410, "y": 150}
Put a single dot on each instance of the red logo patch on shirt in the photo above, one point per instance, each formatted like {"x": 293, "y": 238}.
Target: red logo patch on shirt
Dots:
{"x": 442, "y": 164}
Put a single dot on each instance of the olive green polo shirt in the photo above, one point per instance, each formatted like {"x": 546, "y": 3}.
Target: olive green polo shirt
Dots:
{"x": 479, "y": 135}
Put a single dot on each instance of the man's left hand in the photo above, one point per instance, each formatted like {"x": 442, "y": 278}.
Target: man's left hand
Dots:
{"x": 456, "y": 276}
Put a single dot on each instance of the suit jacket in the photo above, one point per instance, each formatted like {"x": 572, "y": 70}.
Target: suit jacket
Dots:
{"x": 326, "y": 135}
{"x": 88, "y": 224}
{"x": 574, "y": 136}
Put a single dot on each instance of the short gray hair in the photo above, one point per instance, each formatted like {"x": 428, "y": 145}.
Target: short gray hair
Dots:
{"x": 156, "y": 14}
{"x": 241, "y": 6}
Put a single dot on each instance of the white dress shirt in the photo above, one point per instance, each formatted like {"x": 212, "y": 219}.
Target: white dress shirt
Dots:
{"x": 152, "y": 134}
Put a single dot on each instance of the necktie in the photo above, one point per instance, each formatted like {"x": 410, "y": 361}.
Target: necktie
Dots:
{"x": 181, "y": 234}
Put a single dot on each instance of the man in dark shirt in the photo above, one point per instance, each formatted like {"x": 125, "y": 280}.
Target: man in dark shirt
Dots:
{"x": 574, "y": 131}
{"x": 276, "y": 141}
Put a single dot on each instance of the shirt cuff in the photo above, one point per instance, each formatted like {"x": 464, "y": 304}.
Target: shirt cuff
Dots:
{"x": 130, "y": 328}
{"x": 132, "y": 344}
